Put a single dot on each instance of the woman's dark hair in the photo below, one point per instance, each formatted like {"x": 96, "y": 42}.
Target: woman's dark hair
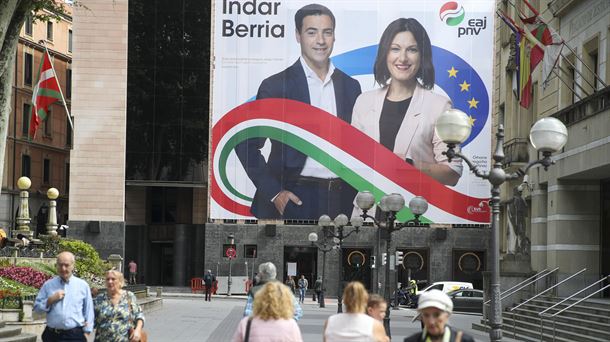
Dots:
{"x": 426, "y": 68}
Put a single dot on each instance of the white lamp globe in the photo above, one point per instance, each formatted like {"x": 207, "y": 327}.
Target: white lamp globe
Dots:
{"x": 418, "y": 205}
{"x": 548, "y": 135}
{"x": 396, "y": 202}
{"x": 324, "y": 221}
{"x": 341, "y": 220}
{"x": 453, "y": 126}
{"x": 313, "y": 237}
{"x": 365, "y": 200}
{"x": 357, "y": 221}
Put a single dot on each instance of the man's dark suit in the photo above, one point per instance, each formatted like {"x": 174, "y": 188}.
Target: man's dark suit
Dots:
{"x": 285, "y": 164}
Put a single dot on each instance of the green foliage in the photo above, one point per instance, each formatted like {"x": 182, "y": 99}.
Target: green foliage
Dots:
{"x": 42, "y": 267}
{"x": 5, "y": 262}
{"x": 11, "y": 285}
{"x": 88, "y": 262}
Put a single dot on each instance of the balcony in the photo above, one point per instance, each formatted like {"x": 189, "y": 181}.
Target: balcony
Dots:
{"x": 587, "y": 107}
{"x": 516, "y": 151}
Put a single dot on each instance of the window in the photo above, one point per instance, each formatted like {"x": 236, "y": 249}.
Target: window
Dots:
{"x": 47, "y": 124}
{"x": 69, "y": 132}
{"x": 225, "y": 247}
{"x": 69, "y": 83}
{"x": 25, "y": 119}
{"x": 67, "y": 178}
{"x": 27, "y": 25}
{"x": 594, "y": 63}
{"x": 70, "y": 40}
{"x": 50, "y": 31}
{"x": 249, "y": 251}
{"x": 25, "y": 165}
{"x": 46, "y": 171}
{"x": 28, "y": 64}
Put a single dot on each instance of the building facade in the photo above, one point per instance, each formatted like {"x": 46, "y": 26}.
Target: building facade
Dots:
{"x": 46, "y": 158}
{"x": 567, "y": 216}
{"x": 139, "y": 166}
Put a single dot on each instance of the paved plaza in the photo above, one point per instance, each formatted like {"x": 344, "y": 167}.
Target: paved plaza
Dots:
{"x": 189, "y": 318}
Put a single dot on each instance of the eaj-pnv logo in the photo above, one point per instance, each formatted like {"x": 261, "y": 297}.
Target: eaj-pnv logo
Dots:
{"x": 452, "y": 13}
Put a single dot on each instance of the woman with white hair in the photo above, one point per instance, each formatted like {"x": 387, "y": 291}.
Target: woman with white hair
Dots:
{"x": 118, "y": 317}
{"x": 434, "y": 308}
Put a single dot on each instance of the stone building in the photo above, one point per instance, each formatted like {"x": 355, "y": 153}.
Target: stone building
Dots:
{"x": 45, "y": 159}
{"x": 568, "y": 206}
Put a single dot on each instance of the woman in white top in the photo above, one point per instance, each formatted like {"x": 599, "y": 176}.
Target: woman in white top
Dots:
{"x": 354, "y": 324}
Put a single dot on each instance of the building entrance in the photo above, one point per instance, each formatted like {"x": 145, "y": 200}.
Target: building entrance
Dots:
{"x": 356, "y": 265}
{"x": 300, "y": 260}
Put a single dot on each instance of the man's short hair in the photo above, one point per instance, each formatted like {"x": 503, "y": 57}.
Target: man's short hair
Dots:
{"x": 311, "y": 9}
{"x": 266, "y": 271}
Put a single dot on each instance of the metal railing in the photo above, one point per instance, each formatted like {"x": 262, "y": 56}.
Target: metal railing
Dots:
{"x": 511, "y": 310}
{"x": 543, "y": 314}
{"x": 503, "y": 295}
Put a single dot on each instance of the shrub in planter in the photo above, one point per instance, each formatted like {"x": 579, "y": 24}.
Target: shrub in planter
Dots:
{"x": 88, "y": 263}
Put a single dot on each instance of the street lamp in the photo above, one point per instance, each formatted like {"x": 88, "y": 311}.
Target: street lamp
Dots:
{"x": 547, "y": 135}
{"x": 324, "y": 247}
{"x": 338, "y": 236}
{"x": 231, "y": 238}
{"x": 390, "y": 204}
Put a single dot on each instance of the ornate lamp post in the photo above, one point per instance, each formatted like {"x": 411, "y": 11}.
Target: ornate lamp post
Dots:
{"x": 52, "y": 194}
{"x": 23, "y": 218}
{"x": 324, "y": 247}
{"x": 338, "y": 236}
{"x": 547, "y": 135}
{"x": 390, "y": 204}
{"x": 231, "y": 238}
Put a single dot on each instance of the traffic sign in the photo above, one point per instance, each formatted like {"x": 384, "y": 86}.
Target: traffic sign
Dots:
{"x": 231, "y": 253}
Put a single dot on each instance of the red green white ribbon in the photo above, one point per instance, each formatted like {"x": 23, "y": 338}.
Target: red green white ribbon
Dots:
{"x": 352, "y": 155}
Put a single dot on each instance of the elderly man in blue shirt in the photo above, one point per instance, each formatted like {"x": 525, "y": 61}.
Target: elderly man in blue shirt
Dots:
{"x": 67, "y": 302}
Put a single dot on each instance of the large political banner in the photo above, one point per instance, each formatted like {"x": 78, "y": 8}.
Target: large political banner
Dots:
{"x": 315, "y": 101}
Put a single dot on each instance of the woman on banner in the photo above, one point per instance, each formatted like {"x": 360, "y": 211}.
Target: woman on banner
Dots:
{"x": 401, "y": 114}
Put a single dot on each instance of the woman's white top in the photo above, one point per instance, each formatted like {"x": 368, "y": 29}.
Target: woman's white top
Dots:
{"x": 349, "y": 327}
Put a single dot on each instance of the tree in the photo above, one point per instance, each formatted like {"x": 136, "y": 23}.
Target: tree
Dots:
{"x": 12, "y": 17}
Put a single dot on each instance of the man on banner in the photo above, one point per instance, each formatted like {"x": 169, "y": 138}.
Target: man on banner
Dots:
{"x": 291, "y": 185}
{"x": 45, "y": 93}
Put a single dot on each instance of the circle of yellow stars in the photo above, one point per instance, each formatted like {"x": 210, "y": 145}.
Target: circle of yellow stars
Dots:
{"x": 464, "y": 86}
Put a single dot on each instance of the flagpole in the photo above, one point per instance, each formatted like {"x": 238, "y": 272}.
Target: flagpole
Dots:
{"x": 580, "y": 73}
{"x": 586, "y": 66}
{"x": 576, "y": 83}
{"x": 63, "y": 99}
{"x": 567, "y": 85}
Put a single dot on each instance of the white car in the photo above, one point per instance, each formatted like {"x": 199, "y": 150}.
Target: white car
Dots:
{"x": 448, "y": 286}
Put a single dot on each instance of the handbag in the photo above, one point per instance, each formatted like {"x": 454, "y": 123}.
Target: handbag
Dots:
{"x": 247, "y": 335}
{"x": 143, "y": 334}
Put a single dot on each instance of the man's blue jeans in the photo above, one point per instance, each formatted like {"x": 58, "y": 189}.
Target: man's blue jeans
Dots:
{"x": 302, "y": 294}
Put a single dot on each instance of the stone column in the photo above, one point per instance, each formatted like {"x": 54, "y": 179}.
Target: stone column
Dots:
{"x": 179, "y": 255}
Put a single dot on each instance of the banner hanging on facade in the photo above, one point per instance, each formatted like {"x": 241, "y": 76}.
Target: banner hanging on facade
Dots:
{"x": 312, "y": 103}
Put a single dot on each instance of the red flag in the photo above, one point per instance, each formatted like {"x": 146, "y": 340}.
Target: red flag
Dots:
{"x": 45, "y": 93}
{"x": 550, "y": 39}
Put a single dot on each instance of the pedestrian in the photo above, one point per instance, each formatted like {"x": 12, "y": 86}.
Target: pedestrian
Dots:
{"x": 435, "y": 307}
{"x": 376, "y": 307}
{"x": 318, "y": 289}
{"x": 209, "y": 280}
{"x": 67, "y": 302}
{"x": 133, "y": 272}
{"x": 118, "y": 317}
{"x": 272, "y": 318}
{"x": 291, "y": 285}
{"x": 354, "y": 324}
{"x": 303, "y": 284}
{"x": 266, "y": 274}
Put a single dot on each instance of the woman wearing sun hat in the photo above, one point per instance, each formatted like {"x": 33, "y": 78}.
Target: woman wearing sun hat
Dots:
{"x": 434, "y": 308}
